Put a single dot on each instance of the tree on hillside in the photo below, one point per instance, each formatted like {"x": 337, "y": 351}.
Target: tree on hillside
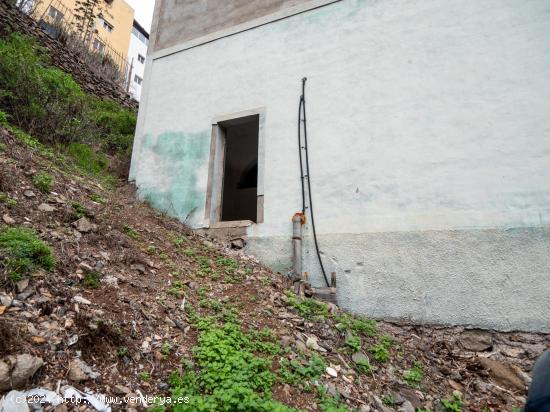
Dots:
{"x": 85, "y": 14}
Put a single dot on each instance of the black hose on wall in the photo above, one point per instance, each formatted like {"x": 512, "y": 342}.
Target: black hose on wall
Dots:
{"x": 302, "y": 119}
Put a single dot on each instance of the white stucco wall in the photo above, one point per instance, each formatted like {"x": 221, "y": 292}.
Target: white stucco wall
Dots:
{"x": 429, "y": 126}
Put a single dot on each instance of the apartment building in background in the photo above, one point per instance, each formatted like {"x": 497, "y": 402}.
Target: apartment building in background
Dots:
{"x": 139, "y": 41}
{"x": 110, "y": 34}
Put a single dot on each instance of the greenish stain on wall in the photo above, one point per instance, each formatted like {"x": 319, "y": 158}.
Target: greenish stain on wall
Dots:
{"x": 169, "y": 175}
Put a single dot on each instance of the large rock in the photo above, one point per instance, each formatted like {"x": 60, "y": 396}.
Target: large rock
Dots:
{"x": 83, "y": 225}
{"x": 8, "y": 219}
{"x": 503, "y": 374}
{"x": 44, "y": 207}
{"x": 79, "y": 371}
{"x": 476, "y": 340}
{"x": 15, "y": 371}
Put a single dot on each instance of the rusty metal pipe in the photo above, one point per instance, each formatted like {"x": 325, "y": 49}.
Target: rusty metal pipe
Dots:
{"x": 297, "y": 222}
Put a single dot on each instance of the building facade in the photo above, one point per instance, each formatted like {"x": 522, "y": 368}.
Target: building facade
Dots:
{"x": 111, "y": 30}
{"x": 137, "y": 54}
{"x": 428, "y": 143}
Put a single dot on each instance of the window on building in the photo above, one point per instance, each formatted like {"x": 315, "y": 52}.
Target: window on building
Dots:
{"x": 105, "y": 24}
{"x": 141, "y": 37}
{"x": 141, "y": 59}
{"x": 98, "y": 46}
{"x": 138, "y": 79}
{"x": 55, "y": 14}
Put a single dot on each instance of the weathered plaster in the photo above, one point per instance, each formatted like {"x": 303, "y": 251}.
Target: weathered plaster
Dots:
{"x": 180, "y": 23}
{"x": 169, "y": 170}
{"x": 428, "y": 128}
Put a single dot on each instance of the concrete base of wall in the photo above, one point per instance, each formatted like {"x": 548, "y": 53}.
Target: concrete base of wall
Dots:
{"x": 495, "y": 279}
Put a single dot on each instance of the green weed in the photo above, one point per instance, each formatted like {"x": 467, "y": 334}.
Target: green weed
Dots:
{"x": 43, "y": 181}
{"x": 229, "y": 264}
{"x": 24, "y": 252}
{"x": 94, "y": 197}
{"x": 131, "y": 232}
{"x": 358, "y": 325}
{"x": 300, "y": 370}
{"x": 122, "y": 351}
{"x": 144, "y": 376}
{"x": 8, "y": 201}
{"x": 306, "y": 307}
{"x": 80, "y": 211}
{"x": 353, "y": 343}
{"x": 176, "y": 289}
{"x": 233, "y": 373}
{"x": 189, "y": 252}
{"x": 389, "y": 400}
{"x": 178, "y": 241}
{"x": 452, "y": 405}
{"x": 413, "y": 376}
{"x": 166, "y": 349}
{"x": 92, "y": 280}
{"x": 363, "y": 366}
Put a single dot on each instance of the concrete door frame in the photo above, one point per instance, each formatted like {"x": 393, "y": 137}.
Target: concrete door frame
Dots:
{"x": 214, "y": 189}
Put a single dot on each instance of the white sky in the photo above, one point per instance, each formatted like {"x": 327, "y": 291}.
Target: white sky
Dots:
{"x": 144, "y": 12}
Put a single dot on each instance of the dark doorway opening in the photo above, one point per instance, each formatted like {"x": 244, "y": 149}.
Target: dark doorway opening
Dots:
{"x": 240, "y": 171}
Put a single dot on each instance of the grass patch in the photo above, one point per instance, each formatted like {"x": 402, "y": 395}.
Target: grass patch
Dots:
{"x": 306, "y": 307}
{"x": 357, "y": 325}
{"x": 24, "y": 253}
{"x": 176, "y": 289}
{"x": 92, "y": 280}
{"x": 94, "y": 197}
{"x": 43, "y": 181}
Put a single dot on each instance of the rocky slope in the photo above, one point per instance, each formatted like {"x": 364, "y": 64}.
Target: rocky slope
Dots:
{"x": 133, "y": 292}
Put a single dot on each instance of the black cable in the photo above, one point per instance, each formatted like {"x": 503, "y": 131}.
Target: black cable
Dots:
{"x": 300, "y": 153}
{"x": 303, "y": 111}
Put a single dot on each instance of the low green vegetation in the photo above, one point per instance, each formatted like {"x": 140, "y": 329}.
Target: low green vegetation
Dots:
{"x": 454, "y": 404}
{"x": 231, "y": 371}
{"x": 176, "y": 289}
{"x": 229, "y": 264}
{"x": 92, "y": 280}
{"x": 353, "y": 343}
{"x": 301, "y": 370}
{"x": 179, "y": 240}
{"x": 43, "y": 181}
{"x": 306, "y": 307}
{"x": 363, "y": 366}
{"x": 8, "y": 201}
{"x": 356, "y": 324}
{"x": 166, "y": 349}
{"x": 144, "y": 376}
{"x": 39, "y": 100}
{"x": 380, "y": 350}
{"x": 80, "y": 211}
{"x": 94, "y": 197}
{"x": 122, "y": 351}
{"x": 413, "y": 376}
{"x": 24, "y": 253}
{"x": 388, "y": 399}
{"x": 131, "y": 232}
